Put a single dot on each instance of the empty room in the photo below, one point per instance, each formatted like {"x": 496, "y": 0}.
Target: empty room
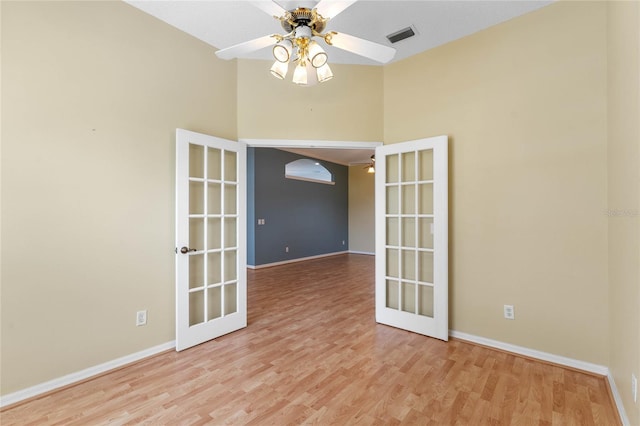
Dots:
{"x": 480, "y": 265}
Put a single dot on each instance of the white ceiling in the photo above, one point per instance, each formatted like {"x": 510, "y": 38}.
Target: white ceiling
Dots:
{"x": 225, "y": 23}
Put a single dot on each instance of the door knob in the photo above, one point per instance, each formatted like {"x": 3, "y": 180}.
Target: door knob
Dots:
{"x": 185, "y": 250}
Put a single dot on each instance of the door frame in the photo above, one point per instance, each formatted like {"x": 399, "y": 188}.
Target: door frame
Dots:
{"x": 309, "y": 143}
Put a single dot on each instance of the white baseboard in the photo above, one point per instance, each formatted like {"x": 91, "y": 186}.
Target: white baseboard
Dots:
{"x": 618, "y": 400}
{"x": 78, "y": 376}
{"x": 369, "y": 253}
{"x": 555, "y": 359}
{"x": 300, "y": 259}
{"x": 532, "y": 353}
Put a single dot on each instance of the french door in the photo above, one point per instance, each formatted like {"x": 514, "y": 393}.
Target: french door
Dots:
{"x": 211, "y": 284}
{"x": 411, "y": 204}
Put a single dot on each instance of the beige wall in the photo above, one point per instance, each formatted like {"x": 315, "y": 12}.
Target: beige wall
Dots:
{"x": 524, "y": 105}
{"x": 361, "y": 210}
{"x": 348, "y": 108}
{"x": 623, "y": 153}
{"x": 92, "y": 93}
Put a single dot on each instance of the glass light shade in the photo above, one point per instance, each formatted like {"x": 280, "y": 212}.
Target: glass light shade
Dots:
{"x": 300, "y": 74}
{"x": 317, "y": 55}
{"x": 279, "y": 69}
{"x": 324, "y": 73}
{"x": 282, "y": 50}
{"x": 371, "y": 169}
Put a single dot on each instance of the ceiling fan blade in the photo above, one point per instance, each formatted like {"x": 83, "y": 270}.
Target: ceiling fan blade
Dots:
{"x": 269, "y": 7}
{"x": 246, "y": 47}
{"x": 331, "y": 8}
{"x": 368, "y": 49}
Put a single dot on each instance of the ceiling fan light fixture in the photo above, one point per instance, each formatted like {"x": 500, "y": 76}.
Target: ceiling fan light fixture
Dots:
{"x": 300, "y": 74}
{"x": 324, "y": 73}
{"x": 371, "y": 169}
{"x": 279, "y": 69}
{"x": 317, "y": 55}
{"x": 282, "y": 50}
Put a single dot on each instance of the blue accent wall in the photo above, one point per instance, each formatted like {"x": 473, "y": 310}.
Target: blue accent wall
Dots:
{"x": 308, "y": 217}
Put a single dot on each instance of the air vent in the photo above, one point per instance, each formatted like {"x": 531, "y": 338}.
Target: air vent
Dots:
{"x": 401, "y": 35}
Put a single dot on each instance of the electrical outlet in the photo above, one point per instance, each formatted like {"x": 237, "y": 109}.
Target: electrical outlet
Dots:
{"x": 509, "y": 313}
{"x": 286, "y": 249}
{"x": 634, "y": 387}
{"x": 141, "y": 318}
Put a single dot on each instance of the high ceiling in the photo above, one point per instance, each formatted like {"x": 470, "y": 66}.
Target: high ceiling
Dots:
{"x": 225, "y": 23}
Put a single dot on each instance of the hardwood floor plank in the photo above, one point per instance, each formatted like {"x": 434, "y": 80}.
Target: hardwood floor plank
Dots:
{"x": 312, "y": 354}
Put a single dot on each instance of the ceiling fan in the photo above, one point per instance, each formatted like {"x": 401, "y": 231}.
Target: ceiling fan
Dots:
{"x": 369, "y": 166}
{"x": 302, "y": 25}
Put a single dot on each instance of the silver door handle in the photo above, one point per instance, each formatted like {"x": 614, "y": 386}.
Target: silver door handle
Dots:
{"x": 185, "y": 250}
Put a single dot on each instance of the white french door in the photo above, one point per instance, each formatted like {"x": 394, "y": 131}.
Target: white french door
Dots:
{"x": 211, "y": 284}
{"x": 411, "y": 188}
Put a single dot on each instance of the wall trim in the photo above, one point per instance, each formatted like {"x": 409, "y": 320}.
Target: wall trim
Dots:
{"x": 617, "y": 399}
{"x": 532, "y": 353}
{"x": 301, "y": 143}
{"x": 78, "y": 376}
{"x": 368, "y": 253}
{"x": 300, "y": 259}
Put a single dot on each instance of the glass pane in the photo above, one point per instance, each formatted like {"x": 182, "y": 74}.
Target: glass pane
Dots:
{"x": 408, "y": 167}
{"x": 425, "y": 267}
{"x": 196, "y": 197}
{"x": 196, "y": 161}
{"x": 306, "y": 169}
{"x": 230, "y": 262}
{"x": 426, "y": 198}
{"x": 425, "y": 164}
{"x": 214, "y": 268}
{"x": 392, "y": 263}
{"x": 196, "y": 234}
{"x": 408, "y": 199}
{"x": 392, "y": 200}
{"x": 392, "y": 294}
{"x": 408, "y": 264}
{"x": 230, "y": 232}
{"x": 215, "y": 163}
{"x": 425, "y": 232}
{"x": 392, "y": 232}
{"x": 196, "y": 270}
{"x": 425, "y": 300}
{"x": 393, "y": 168}
{"x": 214, "y": 233}
{"x": 214, "y": 303}
{"x": 230, "y": 172}
{"x": 230, "y": 299}
{"x": 215, "y": 198}
{"x": 409, "y": 297}
{"x": 408, "y": 232}
{"x": 230, "y": 199}
{"x": 196, "y": 307}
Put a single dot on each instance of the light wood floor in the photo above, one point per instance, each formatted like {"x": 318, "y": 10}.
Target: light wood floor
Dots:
{"x": 312, "y": 353}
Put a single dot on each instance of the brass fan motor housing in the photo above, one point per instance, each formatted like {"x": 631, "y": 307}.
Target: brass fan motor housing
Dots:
{"x": 303, "y": 16}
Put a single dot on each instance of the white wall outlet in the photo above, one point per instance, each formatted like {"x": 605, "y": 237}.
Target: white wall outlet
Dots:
{"x": 634, "y": 387}
{"x": 286, "y": 249}
{"x": 343, "y": 242}
{"x": 141, "y": 318}
{"x": 509, "y": 313}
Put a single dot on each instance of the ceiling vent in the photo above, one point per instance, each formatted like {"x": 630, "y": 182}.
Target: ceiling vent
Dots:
{"x": 401, "y": 35}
